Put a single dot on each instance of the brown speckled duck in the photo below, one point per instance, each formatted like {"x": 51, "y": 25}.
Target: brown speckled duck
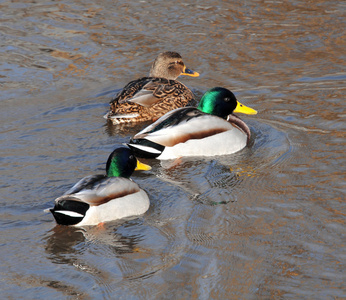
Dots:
{"x": 149, "y": 98}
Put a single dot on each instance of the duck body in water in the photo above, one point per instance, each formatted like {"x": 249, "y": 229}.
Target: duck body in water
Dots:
{"x": 149, "y": 98}
{"x": 208, "y": 130}
{"x": 104, "y": 197}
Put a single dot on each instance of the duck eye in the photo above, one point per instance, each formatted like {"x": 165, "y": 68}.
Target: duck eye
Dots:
{"x": 227, "y": 99}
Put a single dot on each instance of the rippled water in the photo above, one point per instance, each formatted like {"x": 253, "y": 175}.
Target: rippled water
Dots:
{"x": 265, "y": 223}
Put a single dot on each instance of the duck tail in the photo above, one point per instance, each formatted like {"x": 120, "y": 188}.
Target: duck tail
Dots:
{"x": 69, "y": 212}
{"x": 145, "y": 149}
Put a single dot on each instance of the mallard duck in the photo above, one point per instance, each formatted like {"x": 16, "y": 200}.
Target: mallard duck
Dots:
{"x": 101, "y": 198}
{"x": 210, "y": 129}
{"x": 149, "y": 98}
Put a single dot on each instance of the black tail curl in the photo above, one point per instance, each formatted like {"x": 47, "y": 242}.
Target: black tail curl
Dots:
{"x": 139, "y": 146}
{"x": 69, "y": 206}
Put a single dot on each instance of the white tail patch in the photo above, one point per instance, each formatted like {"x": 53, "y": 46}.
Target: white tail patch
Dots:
{"x": 129, "y": 116}
{"x": 69, "y": 213}
{"x": 146, "y": 148}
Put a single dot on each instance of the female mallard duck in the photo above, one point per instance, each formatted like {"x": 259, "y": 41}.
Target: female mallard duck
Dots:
{"x": 149, "y": 98}
{"x": 210, "y": 129}
{"x": 101, "y": 198}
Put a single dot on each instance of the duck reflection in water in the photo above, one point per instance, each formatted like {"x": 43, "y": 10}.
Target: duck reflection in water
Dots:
{"x": 69, "y": 245}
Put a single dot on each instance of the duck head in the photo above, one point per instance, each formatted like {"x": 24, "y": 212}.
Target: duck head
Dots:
{"x": 122, "y": 163}
{"x": 221, "y": 102}
{"x": 170, "y": 65}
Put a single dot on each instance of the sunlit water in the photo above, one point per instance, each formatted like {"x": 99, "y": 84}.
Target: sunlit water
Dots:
{"x": 265, "y": 223}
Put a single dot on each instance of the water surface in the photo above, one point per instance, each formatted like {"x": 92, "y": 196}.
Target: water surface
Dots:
{"x": 264, "y": 223}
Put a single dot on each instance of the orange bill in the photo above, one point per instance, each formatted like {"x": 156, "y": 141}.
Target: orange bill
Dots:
{"x": 189, "y": 72}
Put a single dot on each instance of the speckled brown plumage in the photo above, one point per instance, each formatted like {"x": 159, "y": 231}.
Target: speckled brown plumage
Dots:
{"x": 149, "y": 98}
{"x": 170, "y": 94}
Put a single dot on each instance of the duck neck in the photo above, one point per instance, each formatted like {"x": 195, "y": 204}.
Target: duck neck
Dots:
{"x": 114, "y": 170}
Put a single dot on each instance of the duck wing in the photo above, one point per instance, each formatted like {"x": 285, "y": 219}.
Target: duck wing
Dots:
{"x": 130, "y": 90}
{"x": 159, "y": 89}
{"x": 99, "y": 189}
{"x": 87, "y": 182}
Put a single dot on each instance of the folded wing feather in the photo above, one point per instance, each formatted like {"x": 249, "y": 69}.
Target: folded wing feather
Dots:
{"x": 183, "y": 124}
{"x": 97, "y": 192}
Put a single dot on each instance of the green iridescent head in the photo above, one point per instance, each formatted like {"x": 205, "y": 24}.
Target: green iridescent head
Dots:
{"x": 221, "y": 102}
{"x": 121, "y": 163}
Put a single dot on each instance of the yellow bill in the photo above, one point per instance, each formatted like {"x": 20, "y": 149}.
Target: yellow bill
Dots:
{"x": 241, "y": 108}
{"x": 189, "y": 72}
{"x": 141, "y": 166}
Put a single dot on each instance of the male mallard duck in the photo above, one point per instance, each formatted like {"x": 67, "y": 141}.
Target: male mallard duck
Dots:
{"x": 210, "y": 129}
{"x": 149, "y": 98}
{"x": 101, "y": 198}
